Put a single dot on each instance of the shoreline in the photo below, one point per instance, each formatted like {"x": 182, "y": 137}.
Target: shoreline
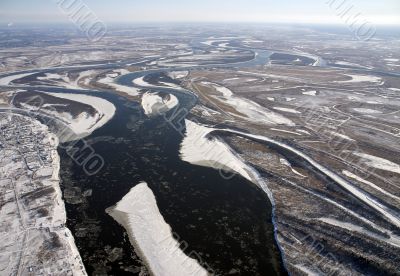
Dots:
{"x": 37, "y": 201}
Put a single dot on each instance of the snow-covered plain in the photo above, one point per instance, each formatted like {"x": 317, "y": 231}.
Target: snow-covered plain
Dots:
{"x": 358, "y": 193}
{"x": 252, "y": 110}
{"x": 151, "y": 236}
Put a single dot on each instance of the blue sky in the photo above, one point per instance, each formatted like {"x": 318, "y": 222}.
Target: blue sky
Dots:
{"x": 291, "y": 11}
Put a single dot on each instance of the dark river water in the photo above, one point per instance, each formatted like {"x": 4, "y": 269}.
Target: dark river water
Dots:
{"x": 225, "y": 224}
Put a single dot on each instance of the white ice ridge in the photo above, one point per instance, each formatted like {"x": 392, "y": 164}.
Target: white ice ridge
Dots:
{"x": 155, "y": 105}
{"x": 198, "y": 149}
{"x": 358, "y": 193}
{"x": 86, "y": 123}
{"x": 151, "y": 236}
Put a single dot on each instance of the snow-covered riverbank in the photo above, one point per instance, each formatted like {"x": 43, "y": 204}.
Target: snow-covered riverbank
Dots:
{"x": 198, "y": 149}
{"x": 85, "y": 123}
{"x": 33, "y": 214}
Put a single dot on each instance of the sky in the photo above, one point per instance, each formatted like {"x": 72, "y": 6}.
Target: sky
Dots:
{"x": 280, "y": 11}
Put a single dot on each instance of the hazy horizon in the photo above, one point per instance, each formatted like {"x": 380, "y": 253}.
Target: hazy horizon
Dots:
{"x": 223, "y": 11}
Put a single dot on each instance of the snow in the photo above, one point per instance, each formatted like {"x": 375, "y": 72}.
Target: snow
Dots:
{"x": 109, "y": 80}
{"x": 361, "y": 195}
{"x": 205, "y": 111}
{"x": 378, "y": 162}
{"x": 351, "y": 64}
{"x": 227, "y": 93}
{"x": 310, "y": 93}
{"x": 210, "y": 42}
{"x": 23, "y": 231}
{"x": 303, "y": 131}
{"x": 286, "y": 163}
{"x": 284, "y": 109}
{"x": 9, "y": 79}
{"x": 155, "y": 105}
{"x": 356, "y": 177}
{"x": 231, "y": 79}
{"x": 306, "y": 270}
{"x": 252, "y": 110}
{"x": 286, "y": 131}
{"x": 197, "y": 149}
{"x": 64, "y": 80}
{"x": 86, "y": 124}
{"x": 367, "y": 111}
{"x": 394, "y": 89}
{"x": 361, "y": 78}
{"x": 283, "y": 161}
{"x": 140, "y": 82}
{"x": 178, "y": 74}
{"x": 151, "y": 236}
{"x": 341, "y": 135}
{"x": 393, "y": 240}
{"x": 392, "y": 59}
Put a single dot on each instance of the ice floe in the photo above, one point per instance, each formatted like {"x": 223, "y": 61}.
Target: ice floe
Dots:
{"x": 151, "y": 236}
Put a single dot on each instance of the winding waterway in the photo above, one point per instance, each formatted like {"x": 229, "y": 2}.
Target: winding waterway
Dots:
{"x": 225, "y": 224}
